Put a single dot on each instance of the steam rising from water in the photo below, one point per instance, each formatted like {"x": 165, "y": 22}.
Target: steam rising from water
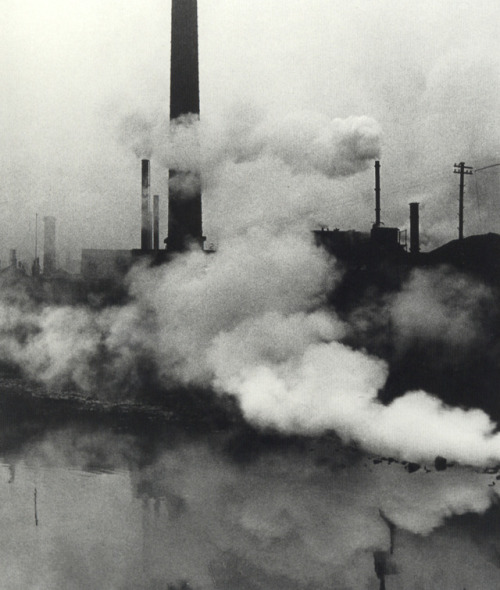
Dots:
{"x": 253, "y": 319}
{"x": 254, "y": 323}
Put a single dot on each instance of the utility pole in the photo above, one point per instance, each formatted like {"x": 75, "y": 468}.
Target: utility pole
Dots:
{"x": 462, "y": 170}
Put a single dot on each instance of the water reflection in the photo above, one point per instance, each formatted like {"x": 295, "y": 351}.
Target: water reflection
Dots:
{"x": 110, "y": 514}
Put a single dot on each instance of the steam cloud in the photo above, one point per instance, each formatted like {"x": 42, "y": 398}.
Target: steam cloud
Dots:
{"x": 455, "y": 307}
{"x": 319, "y": 386}
{"x": 305, "y": 141}
{"x": 308, "y": 142}
{"x": 175, "y": 143}
{"x": 253, "y": 320}
{"x": 276, "y": 346}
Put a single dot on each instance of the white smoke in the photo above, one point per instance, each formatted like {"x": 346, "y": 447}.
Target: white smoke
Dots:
{"x": 196, "y": 297}
{"x": 441, "y": 305}
{"x": 252, "y": 320}
{"x": 307, "y": 142}
{"x": 176, "y": 143}
{"x": 320, "y": 384}
{"x": 69, "y": 346}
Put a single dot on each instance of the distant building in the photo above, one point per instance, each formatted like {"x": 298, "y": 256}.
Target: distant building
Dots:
{"x": 105, "y": 264}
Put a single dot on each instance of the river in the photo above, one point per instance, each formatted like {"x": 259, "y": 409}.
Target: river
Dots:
{"x": 89, "y": 500}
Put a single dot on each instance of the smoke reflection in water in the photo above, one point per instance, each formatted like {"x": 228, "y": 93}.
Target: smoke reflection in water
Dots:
{"x": 190, "y": 516}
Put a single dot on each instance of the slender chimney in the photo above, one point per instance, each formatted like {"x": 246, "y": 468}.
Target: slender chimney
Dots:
{"x": 414, "y": 229}
{"x": 156, "y": 222}
{"x": 49, "y": 245}
{"x": 377, "y": 193}
{"x": 145, "y": 208}
{"x": 184, "y": 194}
{"x": 13, "y": 258}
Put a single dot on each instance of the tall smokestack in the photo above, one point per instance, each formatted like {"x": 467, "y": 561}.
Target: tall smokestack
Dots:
{"x": 49, "y": 245}
{"x": 145, "y": 208}
{"x": 377, "y": 193}
{"x": 184, "y": 81}
{"x": 184, "y": 201}
{"x": 156, "y": 222}
{"x": 414, "y": 229}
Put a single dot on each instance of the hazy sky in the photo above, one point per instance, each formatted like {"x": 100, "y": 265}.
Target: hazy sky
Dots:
{"x": 72, "y": 71}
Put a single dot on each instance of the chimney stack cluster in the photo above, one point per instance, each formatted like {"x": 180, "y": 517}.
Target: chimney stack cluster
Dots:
{"x": 150, "y": 216}
{"x": 184, "y": 203}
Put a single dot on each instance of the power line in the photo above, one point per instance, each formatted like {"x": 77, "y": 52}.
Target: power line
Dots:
{"x": 477, "y": 200}
{"x": 477, "y": 187}
{"x": 486, "y": 167}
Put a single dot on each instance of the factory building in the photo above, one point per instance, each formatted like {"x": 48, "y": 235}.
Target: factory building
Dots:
{"x": 382, "y": 247}
{"x": 363, "y": 249}
{"x": 112, "y": 264}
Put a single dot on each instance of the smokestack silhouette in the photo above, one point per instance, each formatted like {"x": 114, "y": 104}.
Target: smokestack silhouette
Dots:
{"x": 156, "y": 222}
{"x": 377, "y": 193}
{"x": 184, "y": 81}
{"x": 184, "y": 204}
{"x": 49, "y": 245}
{"x": 145, "y": 208}
{"x": 414, "y": 229}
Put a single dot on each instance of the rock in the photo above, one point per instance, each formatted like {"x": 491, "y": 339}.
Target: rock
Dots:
{"x": 440, "y": 463}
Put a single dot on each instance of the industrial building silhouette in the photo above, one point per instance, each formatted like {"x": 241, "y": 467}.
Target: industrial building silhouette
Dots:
{"x": 379, "y": 255}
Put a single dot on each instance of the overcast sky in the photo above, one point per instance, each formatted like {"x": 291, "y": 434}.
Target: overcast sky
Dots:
{"x": 72, "y": 71}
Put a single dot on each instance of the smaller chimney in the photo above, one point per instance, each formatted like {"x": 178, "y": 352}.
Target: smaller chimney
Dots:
{"x": 49, "y": 245}
{"x": 13, "y": 258}
{"x": 377, "y": 193}
{"x": 156, "y": 222}
{"x": 414, "y": 229}
{"x": 145, "y": 207}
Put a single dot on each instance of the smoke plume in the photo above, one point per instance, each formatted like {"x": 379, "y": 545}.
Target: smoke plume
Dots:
{"x": 254, "y": 320}
{"x": 174, "y": 143}
{"x": 305, "y": 141}
{"x": 442, "y": 305}
{"x": 254, "y": 323}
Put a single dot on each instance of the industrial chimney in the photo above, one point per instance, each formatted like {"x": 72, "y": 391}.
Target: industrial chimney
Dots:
{"x": 145, "y": 207}
{"x": 184, "y": 194}
{"x": 156, "y": 222}
{"x": 377, "y": 194}
{"x": 49, "y": 245}
{"x": 414, "y": 229}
